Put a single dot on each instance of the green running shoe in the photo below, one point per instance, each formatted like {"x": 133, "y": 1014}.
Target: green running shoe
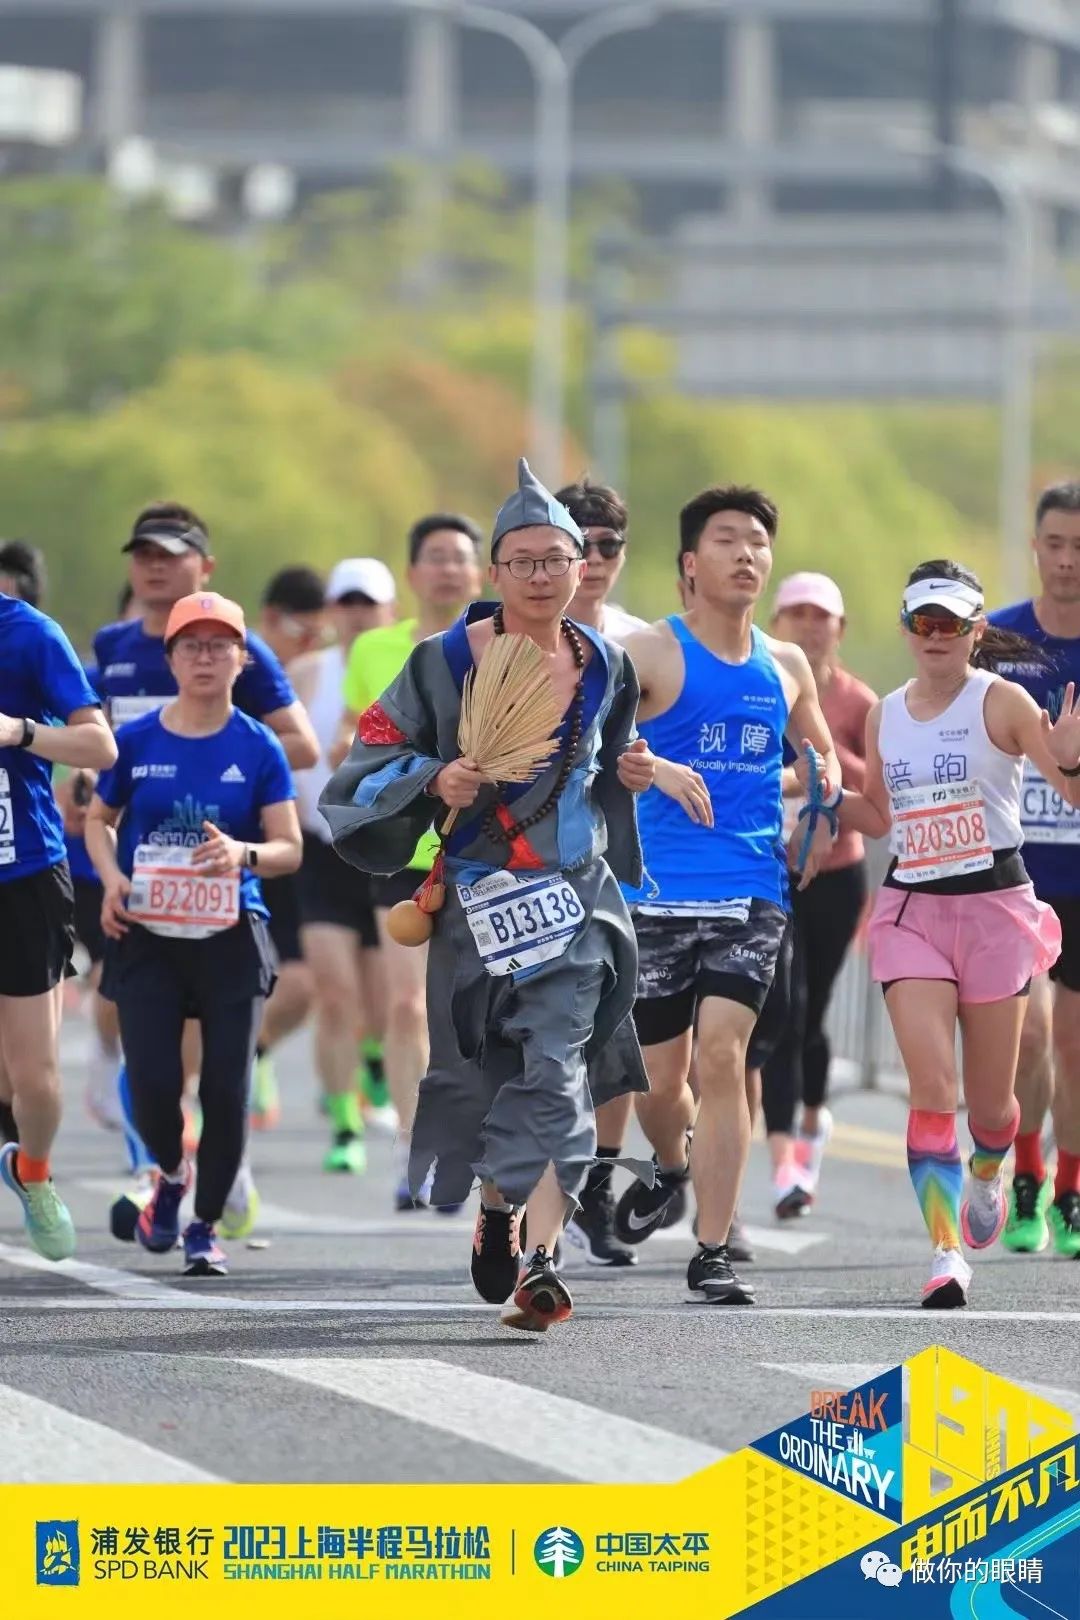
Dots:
{"x": 1025, "y": 1227}
{"x": 48, "y": 1224}
{"x": 347, "y": 1155}
{"x": 265, "y": 1098}
{"x": 1064, "y": 1218}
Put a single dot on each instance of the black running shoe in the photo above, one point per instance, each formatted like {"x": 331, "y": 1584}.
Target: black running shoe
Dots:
{"x": 9, "y": 1130}
{"x": 641, "y": 1209}
{"x": 592, "y": 1229}
{"x": 710, "y": 1273}
{"x": 496, "y": 1256}
{"x": 541, "y": 1298}
{"x": 676, "y": 1209}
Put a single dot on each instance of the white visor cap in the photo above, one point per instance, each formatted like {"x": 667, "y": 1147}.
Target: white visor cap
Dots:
{"x": 951, "y": 594}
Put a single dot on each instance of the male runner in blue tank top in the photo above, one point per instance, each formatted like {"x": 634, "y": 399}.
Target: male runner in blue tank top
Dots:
{"x": 1048, "y": 1072}
{"x": 717, "y": 698}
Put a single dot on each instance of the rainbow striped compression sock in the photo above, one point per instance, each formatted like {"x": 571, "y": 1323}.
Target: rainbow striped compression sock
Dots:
{"x": 989, "y": 1147}
{"x": 936, "y": 1173}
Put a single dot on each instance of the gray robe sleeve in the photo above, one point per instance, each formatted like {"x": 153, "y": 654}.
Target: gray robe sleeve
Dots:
{"x": 376, "y": 803}
{"x": 617, "y": 805}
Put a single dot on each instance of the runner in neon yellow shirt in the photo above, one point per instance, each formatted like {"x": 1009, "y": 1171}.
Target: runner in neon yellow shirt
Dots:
{"x": 443, "y": 575}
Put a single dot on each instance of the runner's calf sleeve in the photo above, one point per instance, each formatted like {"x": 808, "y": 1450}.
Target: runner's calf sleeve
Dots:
{"x": 936, "y": 1173}
{"x": 991, "y": 1146}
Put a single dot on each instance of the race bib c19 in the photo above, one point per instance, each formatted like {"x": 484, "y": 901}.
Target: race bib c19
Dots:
{"x": 171, "y": 897}
{"x": 517, "y": 922}
{"x": 1045, "y": 816}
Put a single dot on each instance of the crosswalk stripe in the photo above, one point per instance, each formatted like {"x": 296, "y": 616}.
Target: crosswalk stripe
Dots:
{"x": 105, "y": 1279}
{"x": 47, "y": 1445}
{"x": 547, "y": 1431}
{"x": 281, "y": 1220}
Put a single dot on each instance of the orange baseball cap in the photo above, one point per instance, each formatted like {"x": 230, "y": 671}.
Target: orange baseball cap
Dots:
{"x": 205, "y": 607}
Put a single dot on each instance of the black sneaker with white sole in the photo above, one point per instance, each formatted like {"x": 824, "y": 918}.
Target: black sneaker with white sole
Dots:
{"x": 641, "y": 1209}
{"x": 710, "y": 1274}
{"x": 591, "y": 1231}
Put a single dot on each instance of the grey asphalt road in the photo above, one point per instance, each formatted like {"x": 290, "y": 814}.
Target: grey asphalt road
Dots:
{"x": 351, "y": 1347}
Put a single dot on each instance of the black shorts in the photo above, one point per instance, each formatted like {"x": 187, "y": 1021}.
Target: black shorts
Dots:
{"x": 684, "y": 960}
{"x": 774, "y": 1015}
{"x": 1066, "y": 970}
{"x": 283, "y": 904}
{"x": 333, "y": 892}
{"x": 37, "y": 931}
{"x": 237, "y": 964}
{"x": 88, "y": 893}
{"x": 389, "y": 891}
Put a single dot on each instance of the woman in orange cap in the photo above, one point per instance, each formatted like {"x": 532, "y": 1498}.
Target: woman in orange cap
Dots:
{"x": 197, "y": 807}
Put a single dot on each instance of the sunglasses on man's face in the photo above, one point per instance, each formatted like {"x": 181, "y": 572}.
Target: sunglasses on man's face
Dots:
{"x": 608, "y": 546}
{"x": 937, "y": 623}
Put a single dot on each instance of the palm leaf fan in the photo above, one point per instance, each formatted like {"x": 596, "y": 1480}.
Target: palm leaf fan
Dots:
{"x": 509, "y": 717}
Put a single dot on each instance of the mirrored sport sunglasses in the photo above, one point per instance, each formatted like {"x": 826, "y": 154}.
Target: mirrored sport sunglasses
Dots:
{"x": 937, "y": 623}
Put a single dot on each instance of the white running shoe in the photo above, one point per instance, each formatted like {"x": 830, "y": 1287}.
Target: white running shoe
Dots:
{"x": 103, "y": 1091}
{"x": 810, "y": 1149}
{"x": 382, "y": 1121}
{"x": 950, "y": 1279}
{"x": 984, "y": 1211}
{"x": 241, "y": 1207}
{"x": 791, "y": 1193}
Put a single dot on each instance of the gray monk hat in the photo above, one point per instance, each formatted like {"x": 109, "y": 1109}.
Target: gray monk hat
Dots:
{"x": 530, "y": 506}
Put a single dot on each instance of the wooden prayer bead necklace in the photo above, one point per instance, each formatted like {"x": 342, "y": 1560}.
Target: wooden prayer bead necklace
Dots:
{"x": 492, "y": 826}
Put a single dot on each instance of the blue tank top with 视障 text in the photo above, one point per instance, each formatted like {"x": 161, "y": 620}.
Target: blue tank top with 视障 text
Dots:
{"x": 728, "y": 725}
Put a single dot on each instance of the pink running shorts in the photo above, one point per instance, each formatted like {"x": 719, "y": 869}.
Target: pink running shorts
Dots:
{"x": 989, "y": 945}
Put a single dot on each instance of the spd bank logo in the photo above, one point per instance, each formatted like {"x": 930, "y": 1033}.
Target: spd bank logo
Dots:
{"x": 57, "y": 1552}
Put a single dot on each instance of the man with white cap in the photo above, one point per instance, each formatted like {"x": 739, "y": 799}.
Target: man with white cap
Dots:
{"x": 337, "y": 932}
{"x": 809, "y": 611}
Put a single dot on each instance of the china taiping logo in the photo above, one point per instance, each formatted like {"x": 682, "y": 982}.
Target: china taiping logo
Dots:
{"x": 559, "y": 1552}
{"x": 878, "y": 1566}
{"x": 57, "y": 1552}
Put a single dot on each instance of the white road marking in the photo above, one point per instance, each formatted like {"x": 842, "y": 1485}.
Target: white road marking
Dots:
{"x": 46, "y": 1445}
{"x": 124, "y": 1285}
{"x": 848, "y": 1374}
{"x": 280, "y": 1220}
{"x": 762, "y": 1237}
{"x": 549, "y": 1431}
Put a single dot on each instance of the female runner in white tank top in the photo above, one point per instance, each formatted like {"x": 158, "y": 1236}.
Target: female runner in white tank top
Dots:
{"x": 956, "y": 932}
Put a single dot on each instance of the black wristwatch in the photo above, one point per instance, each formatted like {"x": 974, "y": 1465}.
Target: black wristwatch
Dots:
{"x": 252, "y": 858}
{"x": 1075, "y": 771}
{"x": 29, "y": 732}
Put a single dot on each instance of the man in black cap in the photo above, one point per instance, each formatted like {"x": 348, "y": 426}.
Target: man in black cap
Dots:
{"x": 170, "y": 557}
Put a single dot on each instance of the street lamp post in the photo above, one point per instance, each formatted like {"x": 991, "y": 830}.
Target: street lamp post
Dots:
{"x": 1017, "y": 374}
{"x": 554, "y": 65}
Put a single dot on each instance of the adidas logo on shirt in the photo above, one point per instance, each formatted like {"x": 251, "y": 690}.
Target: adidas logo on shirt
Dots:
{"x": 233, "y": 774}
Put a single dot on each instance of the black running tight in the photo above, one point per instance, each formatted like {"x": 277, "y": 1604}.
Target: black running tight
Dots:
{"x": 826, "y": 917}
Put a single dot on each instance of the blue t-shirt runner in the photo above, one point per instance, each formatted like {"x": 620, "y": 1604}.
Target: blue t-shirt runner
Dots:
{"x": 1051, "y": 826}
{"x": 135, "y": 679}
{"x": 41, "y": 679}
{"x": 169, "y": 785}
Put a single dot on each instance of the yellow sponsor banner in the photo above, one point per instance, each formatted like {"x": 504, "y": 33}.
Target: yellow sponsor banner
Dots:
{"x": 893, "y": 1485}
